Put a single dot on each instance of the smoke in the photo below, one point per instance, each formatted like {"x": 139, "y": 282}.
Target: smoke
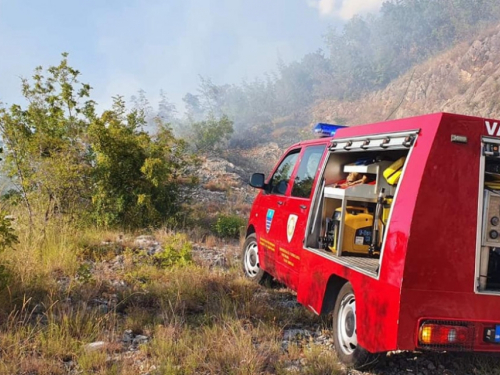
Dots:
{"x": 345, "y": 9}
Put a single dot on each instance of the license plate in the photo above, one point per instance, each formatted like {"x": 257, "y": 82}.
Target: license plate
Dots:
{"x": 497, "y": 333}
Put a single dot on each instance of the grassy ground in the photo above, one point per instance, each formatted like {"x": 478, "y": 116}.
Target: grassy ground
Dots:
{"x": 68, "y": 289}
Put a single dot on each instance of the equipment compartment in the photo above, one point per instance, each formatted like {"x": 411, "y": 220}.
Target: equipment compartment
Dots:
{"x": 359, "y": 196}
{"x": 353, "y": 214}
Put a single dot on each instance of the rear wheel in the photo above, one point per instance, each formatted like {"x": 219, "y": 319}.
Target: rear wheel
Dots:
{"x": 250, "y": 261}
{"x": 345, "y": 334}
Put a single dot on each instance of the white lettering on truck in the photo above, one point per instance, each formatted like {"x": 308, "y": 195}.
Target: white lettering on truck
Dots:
{"x": 491, "y": 128}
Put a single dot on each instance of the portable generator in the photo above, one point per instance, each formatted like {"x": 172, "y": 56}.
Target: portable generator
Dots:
{"x": 358, "y": 230}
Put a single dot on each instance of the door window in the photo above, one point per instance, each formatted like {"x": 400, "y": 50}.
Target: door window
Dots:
{"x": 281, "y": 177}
{"x": 307, "y": 171}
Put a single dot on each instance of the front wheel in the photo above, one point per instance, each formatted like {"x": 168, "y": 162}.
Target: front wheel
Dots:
{"x": 250, "y": 261}
{"x": 345, "y": 335}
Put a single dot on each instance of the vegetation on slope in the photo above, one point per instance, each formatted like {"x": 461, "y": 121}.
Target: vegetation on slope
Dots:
{"x": 67, "y": 160}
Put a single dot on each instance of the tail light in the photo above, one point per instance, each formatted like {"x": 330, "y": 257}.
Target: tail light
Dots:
{"x": 445, "y": 335}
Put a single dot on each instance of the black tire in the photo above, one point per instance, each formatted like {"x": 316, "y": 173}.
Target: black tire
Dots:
{"x": 345, "y": 339}
{"x": 250, "y": 261}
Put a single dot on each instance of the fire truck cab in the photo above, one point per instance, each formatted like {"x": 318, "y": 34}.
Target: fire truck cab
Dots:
{"x": 394, "y": 227}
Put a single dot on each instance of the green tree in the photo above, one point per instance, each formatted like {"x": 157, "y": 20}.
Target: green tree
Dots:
{"x": 47, "y": 153}
{"x": 210, "y": 135}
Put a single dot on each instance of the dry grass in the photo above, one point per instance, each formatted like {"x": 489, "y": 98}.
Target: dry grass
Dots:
{"x": 199, "y": 320}
{"x": 216, "y": 186}
{"x": 211, "y": 241}
{"x": 230, "y": 347}
{"x": 222, "y": 184}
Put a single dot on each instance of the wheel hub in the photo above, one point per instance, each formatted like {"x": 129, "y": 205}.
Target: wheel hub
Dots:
{"x": 346, "y": 325}
{"x": 251, "y": 260}
{"x": 350, "y": 324}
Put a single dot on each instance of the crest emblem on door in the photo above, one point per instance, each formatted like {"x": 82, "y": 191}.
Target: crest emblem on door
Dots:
{"x": 290, "y": 227}
{"x": 269, "y": 219}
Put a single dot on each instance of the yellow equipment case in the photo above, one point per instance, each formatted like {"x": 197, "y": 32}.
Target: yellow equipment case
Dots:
{"x": 358, "y": 230}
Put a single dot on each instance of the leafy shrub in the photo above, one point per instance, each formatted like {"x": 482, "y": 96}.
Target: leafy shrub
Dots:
{"x": 84, "y": 273}
{"x": 212, "y": 134}
{"x": 229, "y": 226}
{"x": 177, "y": 252}
{"x": 8, "y": 238}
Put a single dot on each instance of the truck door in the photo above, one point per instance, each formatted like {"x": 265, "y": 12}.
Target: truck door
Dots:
{"x": 271, "y": 204}
{"x": 294, "y": 213}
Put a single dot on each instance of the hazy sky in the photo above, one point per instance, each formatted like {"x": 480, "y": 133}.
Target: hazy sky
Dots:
{"x": 121, "y": 46}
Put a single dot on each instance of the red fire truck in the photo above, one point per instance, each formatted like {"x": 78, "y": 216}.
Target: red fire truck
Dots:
{"x": 394, "y": 227}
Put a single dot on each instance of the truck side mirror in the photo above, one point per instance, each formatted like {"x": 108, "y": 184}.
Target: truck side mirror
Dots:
{"x": 257, "y": 180}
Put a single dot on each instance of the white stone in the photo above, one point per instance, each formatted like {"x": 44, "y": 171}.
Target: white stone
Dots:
{"x": 94, "y": 346}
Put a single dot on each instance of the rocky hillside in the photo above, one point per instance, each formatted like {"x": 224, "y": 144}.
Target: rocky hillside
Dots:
{"x": 464, "y": 80}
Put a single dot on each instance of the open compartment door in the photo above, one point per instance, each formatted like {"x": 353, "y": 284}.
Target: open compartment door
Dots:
{"x": 488, "y": 238}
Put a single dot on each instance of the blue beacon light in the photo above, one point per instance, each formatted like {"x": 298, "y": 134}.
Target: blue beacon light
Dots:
{"x": 327, "y": 130}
